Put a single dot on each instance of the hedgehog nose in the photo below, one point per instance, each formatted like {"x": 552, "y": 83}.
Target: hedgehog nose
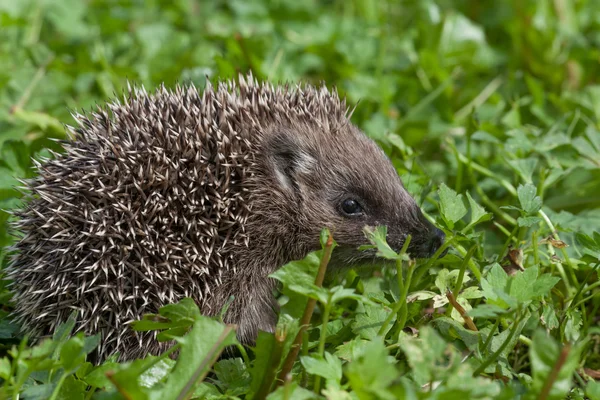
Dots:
{"x": 436, "y": 241}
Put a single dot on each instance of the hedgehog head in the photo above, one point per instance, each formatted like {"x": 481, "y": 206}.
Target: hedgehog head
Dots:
{"x": 329, "y": 174}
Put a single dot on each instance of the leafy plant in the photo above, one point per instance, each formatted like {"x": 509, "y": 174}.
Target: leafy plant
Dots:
{"x": 488, "y": 110}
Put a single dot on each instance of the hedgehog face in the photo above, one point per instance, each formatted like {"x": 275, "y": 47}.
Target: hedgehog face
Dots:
{"x": 342, "y": 180}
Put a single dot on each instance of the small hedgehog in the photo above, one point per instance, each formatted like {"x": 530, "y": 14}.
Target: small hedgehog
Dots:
{"x": 199, "y": 194}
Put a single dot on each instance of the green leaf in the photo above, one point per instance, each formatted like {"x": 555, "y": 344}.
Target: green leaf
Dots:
{"x": 451, "y": 204}
{"x": 233, "y": 376}
{"x": 371, "y": 372}
{"x": 530, "y": 202}
{"x": 545, "y": 355}
{"x": 423, "y": 354}
{"x": 486, "y": 311}
{"x": 528, "y": 221}
{"x": 97, "y": 376}
{"x": 263, "y": 350}
{"x": 329, "y": 367}
{"x": 497, "y": 277}
{"x": 478, "y": 213}
{"x": 299, "y": 276}
{"x": 156, "y": 373}
{"x": 525, "y": 168}
{"x": 72, "y": 354}
{"x": 72, "y": 389}
{"x": 592, "y": 390}
{"x": 4, "y": 368}
{"x": 453, "y": 330}
{"x": 293, "y": 392}
{"x": 591, "y": 244}
{"x": 378, "y": 240}
{"x": 368, "y": 323}
{"x": 41, "y": 120}
{"x": 543, "y": 285}
{"x": 174, "y": 319}
{"x": 549, "y": 319}
{"x": 340, "y": 293}
{"x": 485, "y": 137}
{"x": 522, "y": 284}
{"x": 205, "y": 336}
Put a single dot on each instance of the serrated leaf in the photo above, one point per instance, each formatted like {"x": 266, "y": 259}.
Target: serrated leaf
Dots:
{"x": 478, "y": 213}
{"x": 496, "y": 277}
{"x": 591, "y": 244}
{"x": 486, "y": 311}
{"x": 368, "y": 323}
{"x": 299, "y": 277}
{"x": 528, "y": 221}
{"x": 451, "y": 204}
{"x": 329, "y": 367}
{"x": 522, "y": 283}
{"x": 378, "y": 238}
{"x": 525, "y": 168}
{"x": 543, "y": 285}
{"x": 531, "y": 203}
{"x": 233, "y": 376}
{"x": 372, "y": 371}
{"x": 548, "y": 318}
{"x": 423, "y": 354}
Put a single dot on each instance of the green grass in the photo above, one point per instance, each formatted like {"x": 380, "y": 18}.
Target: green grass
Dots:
{"x": 489, "y": 110}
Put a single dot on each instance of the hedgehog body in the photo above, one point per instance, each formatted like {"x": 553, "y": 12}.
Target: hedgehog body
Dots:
{"x": 198, "y": 194}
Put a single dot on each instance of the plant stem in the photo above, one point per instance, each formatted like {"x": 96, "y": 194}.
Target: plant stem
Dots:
{"x": 508, "y": 240}
{"x": 563, "y": 252}
{"x": 484, "y": 171}
{"x": 308, "y": 311}
{"x": 484, "y": 198}
{"x": 58, "y": 386}
{"x": 562, "y": 358}
{"x": 210, "y": 358}
{"x": 525, "y": 340}
{"x": 461, "y": 311}
{"x": 400, "y": 303}
{"x": 534, "y": 244}
{"x": 582, "y": 287}
{"x": 491, "y": 334}
{"x": 497, "y": 353}
{"x": 274, "y": 360}
{"x": 461, "y": 275}
{"x": 481, "y": 98}
{"x": 429, "y": 98}
{"x": 471, "y": 264}
{"x": 321, "y": 350}
{"x": 244, "y": 354}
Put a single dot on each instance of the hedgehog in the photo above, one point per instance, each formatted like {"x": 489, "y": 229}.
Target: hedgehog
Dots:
{"x": 202, "y": 194}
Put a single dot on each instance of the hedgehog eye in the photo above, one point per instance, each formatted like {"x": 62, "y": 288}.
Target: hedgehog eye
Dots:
{"x": 350, "y": 207}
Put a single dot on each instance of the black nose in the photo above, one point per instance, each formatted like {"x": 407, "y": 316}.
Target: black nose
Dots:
{"x": 436, "y": 241}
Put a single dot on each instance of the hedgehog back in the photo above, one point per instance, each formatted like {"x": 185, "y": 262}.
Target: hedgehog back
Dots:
{"x": 136, "y": 213}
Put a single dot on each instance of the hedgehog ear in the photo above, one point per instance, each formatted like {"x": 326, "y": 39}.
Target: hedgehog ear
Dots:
{"x": 289, "y": 161}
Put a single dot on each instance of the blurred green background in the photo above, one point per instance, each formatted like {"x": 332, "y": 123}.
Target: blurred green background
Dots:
{"x": 416, "y": 68}
{"x": 482, "y": 96}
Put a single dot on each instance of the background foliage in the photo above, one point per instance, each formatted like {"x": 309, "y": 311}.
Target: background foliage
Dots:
{"x": 489, "y": 110}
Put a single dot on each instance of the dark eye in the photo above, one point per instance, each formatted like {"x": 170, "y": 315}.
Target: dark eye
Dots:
{"x": 351, "y": 207}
